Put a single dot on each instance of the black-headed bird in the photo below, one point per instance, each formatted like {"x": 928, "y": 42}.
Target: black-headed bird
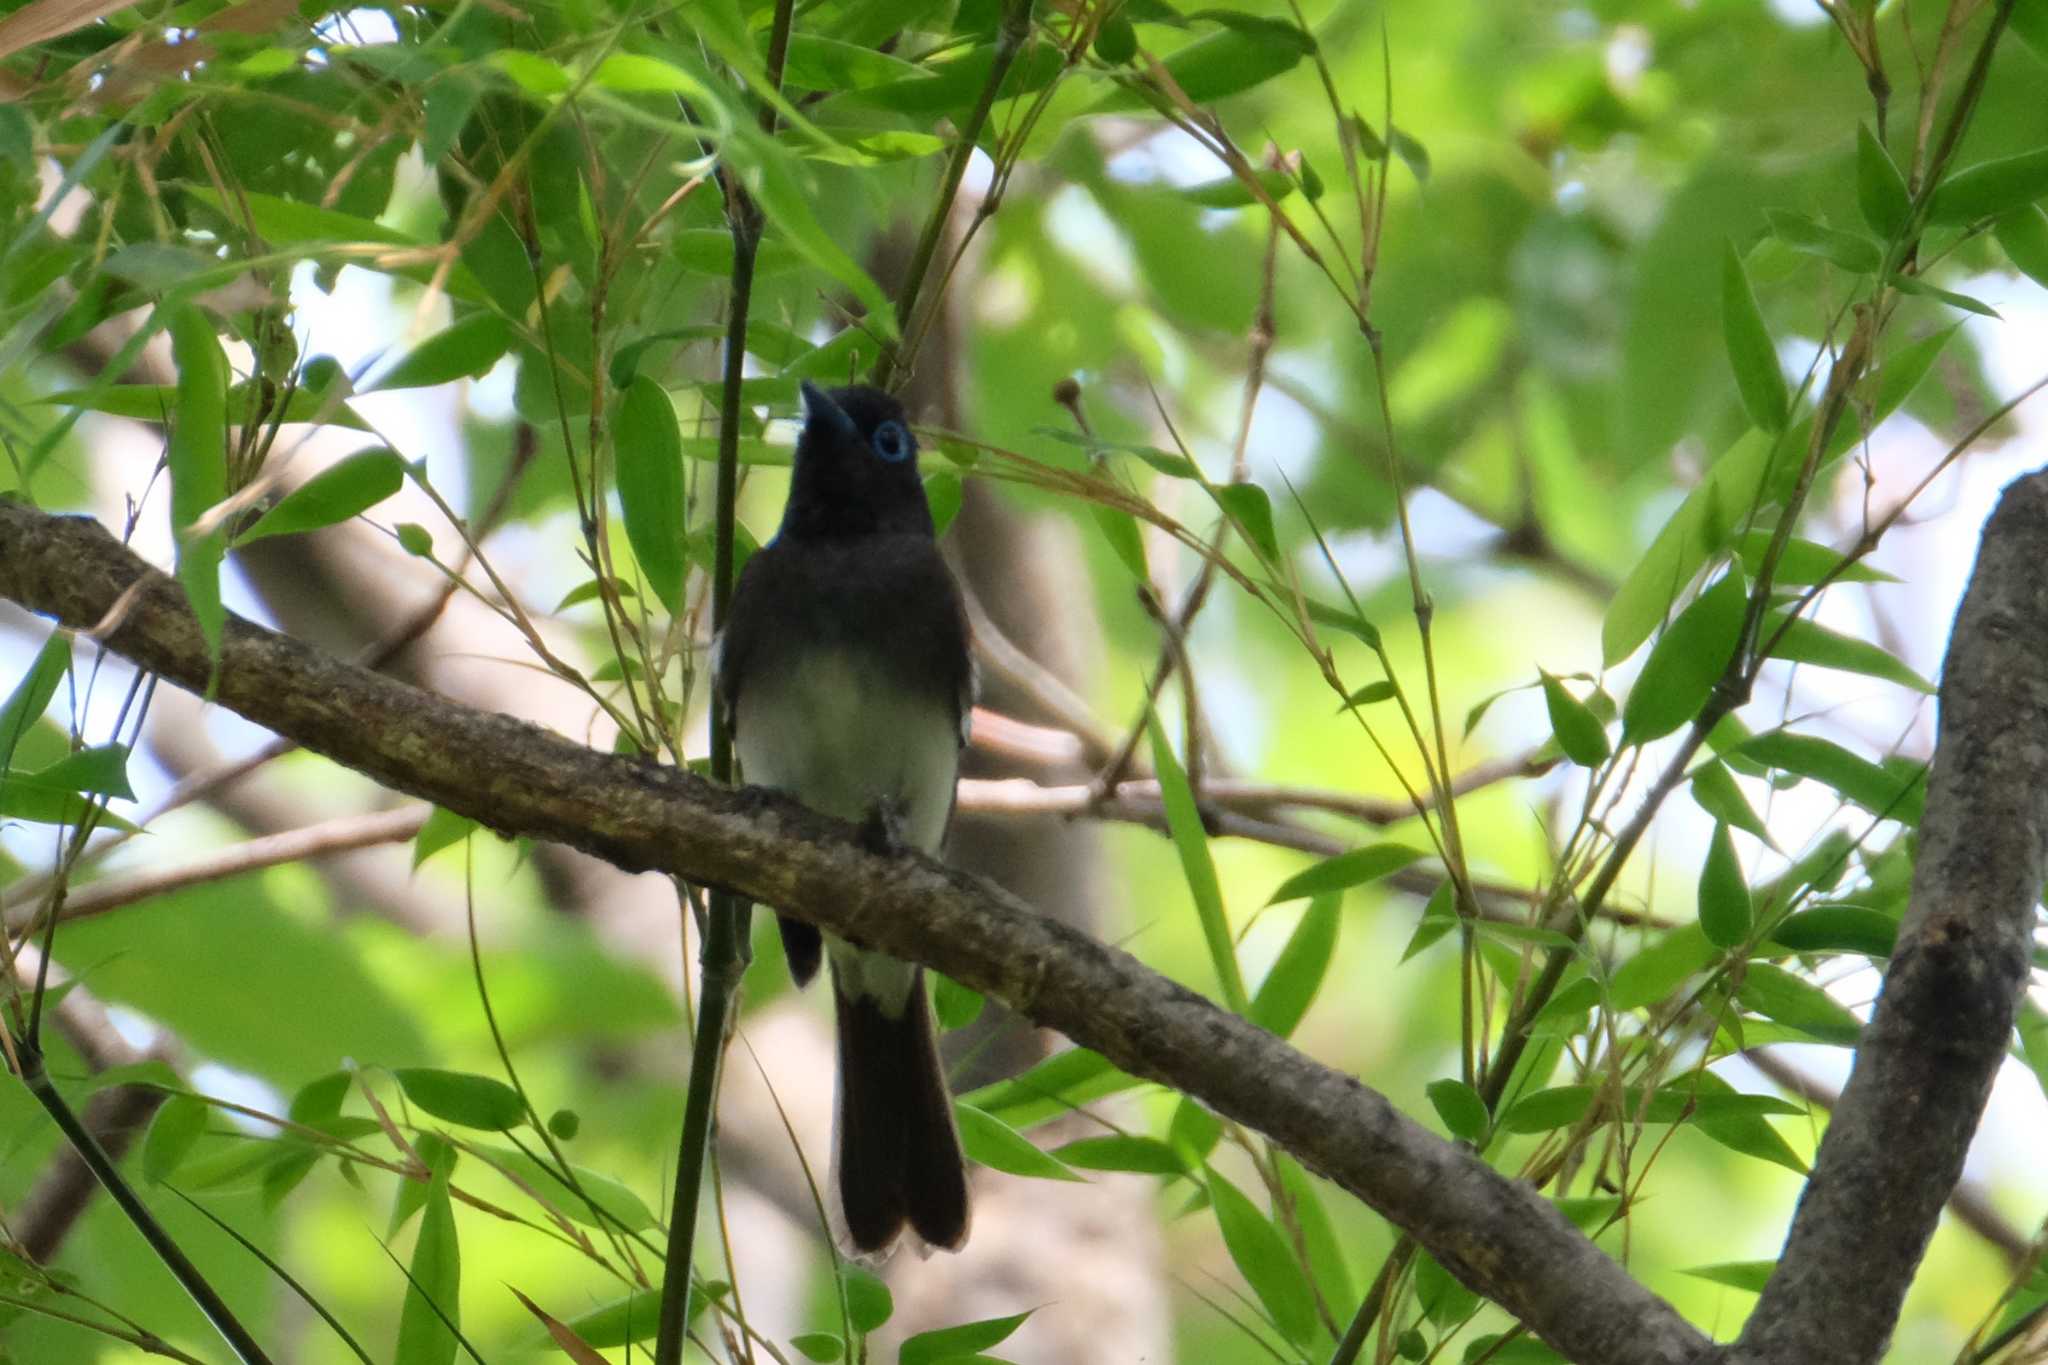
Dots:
{"x": 844, "y": 670}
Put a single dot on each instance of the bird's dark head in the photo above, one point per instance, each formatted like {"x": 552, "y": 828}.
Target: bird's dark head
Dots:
{"x": 856, "y": 467}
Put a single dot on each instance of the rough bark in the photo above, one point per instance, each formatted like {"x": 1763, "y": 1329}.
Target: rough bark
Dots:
{"x": 1499, "y": 1236}
{"x": 1895, "y": 1146}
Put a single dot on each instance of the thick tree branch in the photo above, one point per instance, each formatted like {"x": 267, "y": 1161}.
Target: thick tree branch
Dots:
{"x": 1895, "y": 1147}
{"x": 1499, "y": 1236}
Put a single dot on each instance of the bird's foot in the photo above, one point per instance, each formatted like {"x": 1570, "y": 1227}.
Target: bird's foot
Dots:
{"x": 882, "y": 831}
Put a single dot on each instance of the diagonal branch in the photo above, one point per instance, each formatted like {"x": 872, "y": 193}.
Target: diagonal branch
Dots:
{"x": 1499, "y": 1236}
{"x": 1895, "y": 1146}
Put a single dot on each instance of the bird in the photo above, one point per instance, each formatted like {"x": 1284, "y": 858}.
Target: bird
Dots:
{"x": 845, "y": 674}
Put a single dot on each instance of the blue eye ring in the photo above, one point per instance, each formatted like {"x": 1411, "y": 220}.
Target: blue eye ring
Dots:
{"x": 892, "y": 441}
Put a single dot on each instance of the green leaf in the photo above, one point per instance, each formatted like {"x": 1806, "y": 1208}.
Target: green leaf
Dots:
{"x": 1252, "y": 512}
{"x": 464, "y": 350}
{"x": 1856, "y": 254}
{"x": 637, "y": 1317}
{"x": 1359, "y": 866}
{"x": 1685, "y": 663}
{"x": 1121, "y": 531}
{"x": 1579, "y": 732}
{"x": 1249, "y": 53}
{"x": 198, "y": 465}
{"x": 1657, "y": 971}
{"x": 177, "y": 1126}
{"x": 1229, "y": 192}
{"x": 442, "y": 829}
{"x": 1191, "y": 841}
{"x": 1723, "y": 893}
{"x": 1832, "y": 928}
{"x": 101, "y": 770}
{"x": 1804, "y": 563}
{"x": 1438, "y": 919}
{"x": 2023, "y": 236}
{"x": 1880, "y": 189}
{"x": 1140, "y": 1155}
{"x": 868, "y": 1301}
{"x": 1461, "y": 1109}
{"x": 1058, "y": 1085}
{"x": 1263, "y": 1258}
{"x": 440, "y": 1157}
{"x": 321, "y": 1098}
{"x": 1990, "y": 188}
{"x": 772, "y": 174}
{"x": 332, "y": 496}
{"x": 954, "y": 1004}
{"x": 2033, "y": 1026}
{"x": 824, "y": 1347}
{"x": 818, "y": 63}
{"x": 1699, "y": 528}
{"x": 648, "y": 451}
{"x": 1297, "y": 974}
{"x": 1369, "y": 695}
{"x": 1564, "y": 1105}
{"x": 33, "y": 694}
{"x": 1193, "y": 1131}
{"x": 432, "y": 1312}
{"x": 1797, "y": 1003}
{"x": 616, "y": 1205}
{"x": 1807, "y": 642}
{"x": 943, "y": 493}
{"x": 460, "y": 1097}
{"x": 415, "y": 539}
{"x": 1750, "y": 1134}
{"x": 1714, "y": 787}
{"x": 1750, "y": 351}
{"x": 951, "y": 1343}
{"x": 1749, "y": 1275}
{"x": 1878, "y": 789}
{"x": 1000, "y": 1147}
{"x": 1913, "y": 284}
{"x": 1443, "y": 1300}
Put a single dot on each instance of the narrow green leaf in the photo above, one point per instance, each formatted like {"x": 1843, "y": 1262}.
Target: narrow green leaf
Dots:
{"x": 1990, "y": 188}
{"x": 1263, "y": 1258}
{"x": 1000, "y": 1147}
{"x": 943, "y": 493}
{"x": 101, "y": 771}
{"x": 1804, "y": 563}
{"x": 1235, "y": 59}
{"x": 1856, "y": 254}
{"x": 1808, "y": 642}
{"x": 1898, "y": 795}
{"x": 2023, "y": 236}
{"x": 463, "y": 350}
{"x": 1838, "y": 928}
{"x": 1328, "y": 1263}
{"x": 951, "y": 1343}
{"x": 637, "y": 1317}
{"x": 1564, "y": 1105}
{"x": 440, "y": 1157}
{"x": 647, "y": 449}
{"x": 321, "y": 1098}
{"x": 1880, "y": 189}
{"x": 198, "y": 464}
{"x": 1714, "y": 787}
{"x": 1913, "y": 284}
{"x": 1685, "y": 663}
{"x": 1657, "y": 971}
{"x": 1140, "y": 1155}
{"x": 617, "y": 1206}
{"x": 1797, "y": 1003}
{"x": 1750, "y": 351}
{"x": 1193, "y": 1131}
{"x": 177, "y": 1126}
{"x": 1121, "y": 531}
{"x": 1749, "y": 1275}
{"x": 1191, "y": 841}
{"x": 1248, "y": 506}
{"x": 34, "y": 693}
{"x": 1297, "y": 974}
{"x": 2033, "y": 1027}
{"x": 463, "y": 1098}
{"x": 1579, "y": 732}
{"x": 433, "y": 1296}
{"x": 1702, "y": 524}
{"x": 1460, "y": 1107}
{"x": 1723, "y": 893}
{"x": 823, "y": 1347}
{"x": 346, "y": 489}
{"x": 1443, "y": 1300}
{"x": 1346, "y": 870}
{"x": 1058, "y": 1085}
{"x": 771, "y": 172}
{"x": 1438, "y": 919}
{"x": 1747, "y": 1133}
{"x": 1369, "y": 695}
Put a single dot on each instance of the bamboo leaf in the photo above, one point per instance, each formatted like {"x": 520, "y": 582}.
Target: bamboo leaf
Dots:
{"x": 1191, "y": 842}
{"x": 1724, "y": 904}
{"x": 1685, "y": 663}
{"x": 1880, "y": 189}
{"x": 1297, "y": 974}
{"x": 1346, "y": 870}
{"x": 648, "y": 453}
{"x": 344, "y": 490}
{"x": 1750, "y": 351}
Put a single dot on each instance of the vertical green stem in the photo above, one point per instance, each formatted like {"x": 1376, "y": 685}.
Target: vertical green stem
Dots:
{"x": 102, "y": 1166}
{"x": 724, "y": 957}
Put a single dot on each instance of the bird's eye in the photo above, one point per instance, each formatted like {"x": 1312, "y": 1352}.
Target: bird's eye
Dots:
{"x": 891, "y": 441}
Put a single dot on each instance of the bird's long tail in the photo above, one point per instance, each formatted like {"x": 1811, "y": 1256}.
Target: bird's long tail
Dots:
{"x": 896, "y": 1151}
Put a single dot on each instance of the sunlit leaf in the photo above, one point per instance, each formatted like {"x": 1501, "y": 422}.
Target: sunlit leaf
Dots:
{"x": 345, "y": 489}
{"x": 952, "y": 1343}
{"x": 1460, "y": 1107}
{"x": 1191, "y": 842}
{"x": 463, "y": 1098}
{"x": 1000, "y": 1147}
{"x": 1346, "y": 870}
{"x": 1264, "y": 1259}
{"x": 1297, "y": 974}
{"x": 1579, "y": 732}
{"x": 1751, "y": 352}
{"x": 177, "y": 1126}
{"x": 433, "y": 1294}
{"x": 32, "y": 695}
{"x": 1686, "y": 662}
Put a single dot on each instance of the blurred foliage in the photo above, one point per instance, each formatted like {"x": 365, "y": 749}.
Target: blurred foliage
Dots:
{"x": 1526, "y": 301}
